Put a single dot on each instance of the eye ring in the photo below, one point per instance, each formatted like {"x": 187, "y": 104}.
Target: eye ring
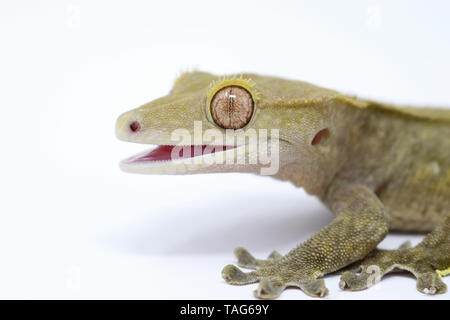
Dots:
{"x": 231, "y": 102}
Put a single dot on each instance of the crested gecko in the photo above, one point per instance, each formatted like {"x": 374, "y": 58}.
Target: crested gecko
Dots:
{"x": 376, "y": 166}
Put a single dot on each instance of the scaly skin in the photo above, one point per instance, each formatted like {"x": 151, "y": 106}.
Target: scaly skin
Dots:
{"x": 378, "y": 168}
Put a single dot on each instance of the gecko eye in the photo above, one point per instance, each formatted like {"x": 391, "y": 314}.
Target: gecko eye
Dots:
{"x": 232, "y": 107}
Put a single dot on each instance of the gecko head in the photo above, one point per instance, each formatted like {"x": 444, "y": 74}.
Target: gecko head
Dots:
{"x": 237, "y": 123}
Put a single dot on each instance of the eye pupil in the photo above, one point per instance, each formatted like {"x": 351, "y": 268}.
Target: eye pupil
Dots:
{"x": 232, "y": 107}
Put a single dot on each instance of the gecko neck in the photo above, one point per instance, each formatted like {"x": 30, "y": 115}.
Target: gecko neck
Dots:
{"x": 315, "y": 170}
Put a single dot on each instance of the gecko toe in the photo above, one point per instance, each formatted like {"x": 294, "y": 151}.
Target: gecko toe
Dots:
{"x": 274, "y": 255}
{"x": 354, "y": 281}
{"x": 245, "y": 259}
{"x": 248, "y": 261}
{"x": 314, "y": 288}
{"x": 234, "y": 275}
{"x": 431, "y": 283}
{"x": 406, "y": 245}
{"x": 270, "y": 288}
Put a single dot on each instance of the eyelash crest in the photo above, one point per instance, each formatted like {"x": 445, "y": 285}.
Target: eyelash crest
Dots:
{"x": 223, "y": 82}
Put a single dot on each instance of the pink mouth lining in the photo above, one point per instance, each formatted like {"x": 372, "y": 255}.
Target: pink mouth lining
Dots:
{"x": 164, "y": 153}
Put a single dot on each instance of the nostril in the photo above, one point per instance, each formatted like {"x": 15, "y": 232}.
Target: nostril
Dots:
{"x": 135, "y": 126}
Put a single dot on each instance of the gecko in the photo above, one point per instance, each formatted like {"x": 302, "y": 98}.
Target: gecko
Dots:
{"x": 377, "y": 167}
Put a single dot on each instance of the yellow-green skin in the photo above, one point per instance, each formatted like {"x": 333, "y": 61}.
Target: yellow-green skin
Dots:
{"x": 380, "y": 168}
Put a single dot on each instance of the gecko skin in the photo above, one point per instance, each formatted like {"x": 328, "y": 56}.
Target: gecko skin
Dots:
{"x": 377, "y": 167}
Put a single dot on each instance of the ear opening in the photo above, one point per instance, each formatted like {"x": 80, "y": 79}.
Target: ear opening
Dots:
{"x": 321, "y": 135}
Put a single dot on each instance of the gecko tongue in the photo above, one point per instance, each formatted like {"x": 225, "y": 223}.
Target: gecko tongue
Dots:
{"x": 165, "y": 152}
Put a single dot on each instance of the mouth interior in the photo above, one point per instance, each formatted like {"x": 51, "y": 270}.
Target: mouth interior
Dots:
{"x": 167, "y": 152}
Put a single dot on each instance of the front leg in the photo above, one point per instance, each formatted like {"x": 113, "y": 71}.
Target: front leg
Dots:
{"x": 359, "y": 226}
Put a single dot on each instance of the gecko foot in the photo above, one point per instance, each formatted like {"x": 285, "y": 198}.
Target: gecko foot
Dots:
{"x": 274, "y": 275}
{"x": 419, "y": 261}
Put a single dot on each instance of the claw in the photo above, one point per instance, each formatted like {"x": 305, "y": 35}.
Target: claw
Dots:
{"x": 234, "y": 275}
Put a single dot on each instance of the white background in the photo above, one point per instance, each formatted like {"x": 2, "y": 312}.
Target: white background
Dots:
{"x": 74, "y": 226}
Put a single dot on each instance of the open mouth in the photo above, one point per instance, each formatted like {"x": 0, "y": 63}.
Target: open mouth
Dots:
{"x": 163, "y": 153}
{"x": 188, "y": 159}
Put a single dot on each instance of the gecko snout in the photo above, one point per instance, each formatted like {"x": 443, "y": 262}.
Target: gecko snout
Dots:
{"x": 129, "y": 126}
